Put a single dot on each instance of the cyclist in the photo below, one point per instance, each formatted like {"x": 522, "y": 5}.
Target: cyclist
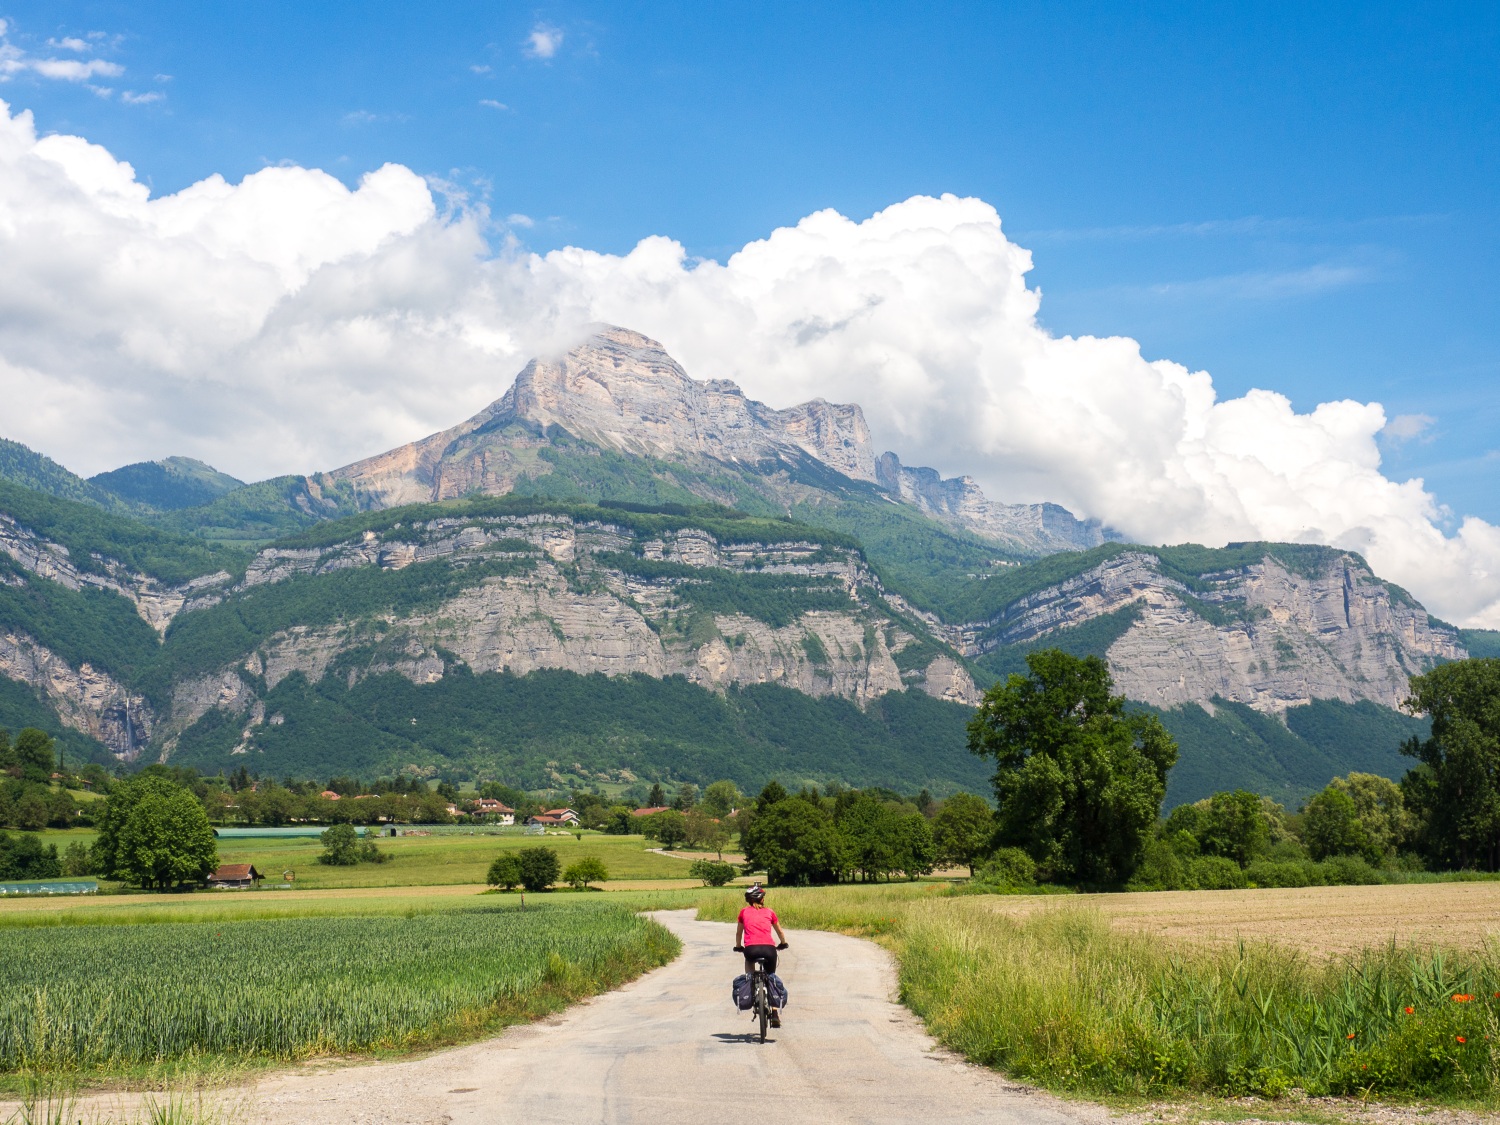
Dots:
{"x": 752, "y": 936}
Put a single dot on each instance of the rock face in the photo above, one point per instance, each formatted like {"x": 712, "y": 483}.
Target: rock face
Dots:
{"x": 563, "y": 593}
{"x": 958, "y": 501}
{"x": 86, "y": 700}
{"x": 621, "y": 391}
{"x": 1265, "y": 635}
{"x": 156, "y": 602}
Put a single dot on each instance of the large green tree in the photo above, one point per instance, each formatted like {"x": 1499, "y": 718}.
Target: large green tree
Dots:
{"x": 1454, "y": 793}
{"x": 1080, "y": 781}
{"x": 795, "y": 842}
{"x": 166, "y": 841}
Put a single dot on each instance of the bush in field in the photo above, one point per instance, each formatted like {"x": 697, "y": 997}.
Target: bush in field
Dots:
{"x": 1009, "y": 868}
{"x": 505, "y": 871}
{"x": 713, "y": 872}
{"x": 539, "y": 868}
{"x": 587, "y": 870}
{"x": 1080, "y": 781}
{"x": 1268, "y": 873}
{"x": 340, "y": 846}
{"x": 1216, "y": 873}
{"x": 1163, "y": 867}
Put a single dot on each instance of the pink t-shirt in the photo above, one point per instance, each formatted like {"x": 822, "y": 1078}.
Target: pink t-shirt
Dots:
{"x": 757, "y": 921}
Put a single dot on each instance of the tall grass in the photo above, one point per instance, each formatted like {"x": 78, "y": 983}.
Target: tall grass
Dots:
{"x": 111, "y": 998}
{"x": 1059, "y": 998}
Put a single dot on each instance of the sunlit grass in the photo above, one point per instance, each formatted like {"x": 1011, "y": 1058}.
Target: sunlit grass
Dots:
{"x": 1055, "y": 995}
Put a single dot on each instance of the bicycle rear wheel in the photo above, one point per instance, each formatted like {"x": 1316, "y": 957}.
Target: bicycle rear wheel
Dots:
{"x": 762, "y": 1008}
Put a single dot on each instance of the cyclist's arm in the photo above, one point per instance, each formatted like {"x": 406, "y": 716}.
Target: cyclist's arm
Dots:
{"x": 739, "y": 933}
{"x": 779, "y": 935}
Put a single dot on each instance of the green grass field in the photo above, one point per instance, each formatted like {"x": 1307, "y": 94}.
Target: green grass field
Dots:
{"x": 100, "y": 1000}
{"x": 422, "y": 861}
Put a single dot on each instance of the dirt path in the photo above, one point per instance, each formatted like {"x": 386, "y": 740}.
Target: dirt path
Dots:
{"x": 670, "y": 1048}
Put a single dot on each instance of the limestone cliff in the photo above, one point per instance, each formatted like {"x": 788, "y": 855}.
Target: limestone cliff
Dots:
{"x": 1266, "y": 634}
{"x": 960, "y": 502}
{"x": 86, "y": 700}
{"x": 556, "y": 592}
{"x": 155, "y": 601}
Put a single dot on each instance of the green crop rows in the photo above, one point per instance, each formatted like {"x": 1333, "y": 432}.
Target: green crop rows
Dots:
{"x": 110, "y": 998}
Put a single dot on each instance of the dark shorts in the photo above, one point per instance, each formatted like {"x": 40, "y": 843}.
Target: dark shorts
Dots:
{"x": 766, "y": 954}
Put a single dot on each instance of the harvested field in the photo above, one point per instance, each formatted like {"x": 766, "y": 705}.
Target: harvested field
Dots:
{"x": 1318, "y": 919}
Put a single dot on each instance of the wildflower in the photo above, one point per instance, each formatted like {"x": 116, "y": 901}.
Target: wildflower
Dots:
{"x": 1460, "y": 1038}
{"x": 1410, "y": 1010}
{"x": 1349, "y": 1036}
{"x": 1462, "y": 997}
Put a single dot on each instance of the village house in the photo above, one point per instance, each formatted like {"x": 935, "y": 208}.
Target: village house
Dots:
{"x": 490, "y": 808}
{"x": 564, "y": 816}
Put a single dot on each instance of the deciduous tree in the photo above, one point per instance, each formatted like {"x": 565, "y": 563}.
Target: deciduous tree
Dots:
{"x": 1079, "y": 782}
{"x": 962, "y": 829}
{"x": 1455, "y": 792}
{"x": 539, "y": 868}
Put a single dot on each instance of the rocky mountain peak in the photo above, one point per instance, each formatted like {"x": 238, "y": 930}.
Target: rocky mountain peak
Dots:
{"x": 621, "y": 390}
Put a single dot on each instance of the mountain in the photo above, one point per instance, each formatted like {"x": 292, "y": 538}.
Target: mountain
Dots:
{"x": 22, "y": 465}
{"x": 168, "y": 485}
{"x": 620, "y": 391}
{"x": 616, "y": 569}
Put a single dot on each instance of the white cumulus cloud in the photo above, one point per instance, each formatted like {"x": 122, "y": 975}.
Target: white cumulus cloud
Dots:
{"x": 287, "y": 323}
{"x": 544, "y": 41}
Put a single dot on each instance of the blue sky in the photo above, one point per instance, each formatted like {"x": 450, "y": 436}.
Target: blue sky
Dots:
{"x": 1302, "y": 198}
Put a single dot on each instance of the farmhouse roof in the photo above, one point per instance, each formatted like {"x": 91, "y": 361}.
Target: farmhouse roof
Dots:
{"x": 653, "y": 809}
{"x": 228, "y": 872}
{"x": 329, "y": 795}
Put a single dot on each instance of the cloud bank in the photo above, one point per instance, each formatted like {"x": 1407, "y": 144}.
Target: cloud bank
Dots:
{"x": 287, "y": 323}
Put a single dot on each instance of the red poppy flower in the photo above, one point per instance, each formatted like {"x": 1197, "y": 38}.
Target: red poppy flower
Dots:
{"x": 1460, "y": 1038}
{"x": 1349, "y": 1036}
{"x": 1410, "y": 1010}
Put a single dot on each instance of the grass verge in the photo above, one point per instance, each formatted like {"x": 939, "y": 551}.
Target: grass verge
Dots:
{"x": 1058, "y": 997}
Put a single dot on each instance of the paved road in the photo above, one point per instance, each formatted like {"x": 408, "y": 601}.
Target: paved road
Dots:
{"x": 670, "y": 1048}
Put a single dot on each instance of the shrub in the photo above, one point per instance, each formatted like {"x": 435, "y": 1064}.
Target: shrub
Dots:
{"x": 1008, "y": 867}
{"x": 1265, "y": 873}
{"x": 587, "y": 870}
{"x": 1161, "y": 867}
{"x": 1215, "y": 873}
{"x": 713, "y": 872}
{"x": 1350, "y": 870}
{"x": 539, "y": 868}
{"x": 340, "y": 846}
{"x": 505, "y": 871}
{"x": 369, "y": 853}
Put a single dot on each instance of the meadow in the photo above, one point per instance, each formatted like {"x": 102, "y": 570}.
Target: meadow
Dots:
{"x": 102, "y": 1000}
{"x": 418, "y": 861}
{"x": 1086, "y": 994}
